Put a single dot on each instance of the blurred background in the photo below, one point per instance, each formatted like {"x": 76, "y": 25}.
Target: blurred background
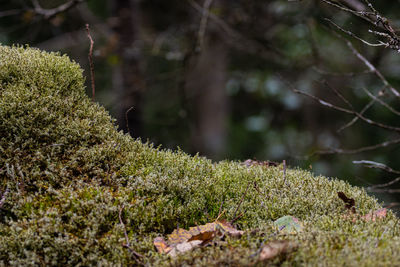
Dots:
{"x": 216, "y": 77}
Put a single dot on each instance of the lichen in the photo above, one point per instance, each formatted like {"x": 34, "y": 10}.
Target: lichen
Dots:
{"x": 70, "y": 172}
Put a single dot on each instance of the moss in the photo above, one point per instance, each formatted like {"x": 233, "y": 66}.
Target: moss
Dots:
{"x": 69, "y": 172}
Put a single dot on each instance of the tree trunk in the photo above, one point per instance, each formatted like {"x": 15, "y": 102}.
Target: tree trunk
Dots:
{"x": 128, "y": 82}
{"x": 205, "y": 84}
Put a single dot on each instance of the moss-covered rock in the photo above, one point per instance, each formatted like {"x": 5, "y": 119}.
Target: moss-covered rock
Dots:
{"x": 69, "y": 172}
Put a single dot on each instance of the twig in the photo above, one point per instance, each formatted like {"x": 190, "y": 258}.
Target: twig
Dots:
{"x": 358, "y": 150}
{"x": 127, "y": 245}
{"x": 90, "y": 56}
{"x": 371, "y": 67}
{"x": 126, "y": 119}
{"x": 241, "y": 201}
{"x": 383, "y": 103}
{"x": 50, "y": 13}
{"x": 203, "y": 24}
{"x": 284, "y": 171}
{"x": 376, "y": 165}
{"x": 355, "y": 36}
{"x": 348, "y": 111}
{"x": 355, "y": 119}
{"x": 350, "y": 74}
{"x": 384, "y": 185}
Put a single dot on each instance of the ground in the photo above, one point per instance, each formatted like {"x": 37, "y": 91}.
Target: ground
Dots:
{"x": 71, "y": 186}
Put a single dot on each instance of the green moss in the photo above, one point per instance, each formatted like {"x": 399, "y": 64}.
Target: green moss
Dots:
{"x": 69, "y": 172}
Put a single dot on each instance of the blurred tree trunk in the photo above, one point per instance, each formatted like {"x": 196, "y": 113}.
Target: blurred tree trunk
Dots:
{"x": 205, "y": 83}
{"x": 128, "y": 82}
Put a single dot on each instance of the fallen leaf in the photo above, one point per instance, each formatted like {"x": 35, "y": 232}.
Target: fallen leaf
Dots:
{"x": 179, "y": 236}
{"x": 229, "y": 229}
{"x": 181, "y": 240}
{"x": 288, "y": 224}
{"x": 276, "y": 248}
{"x": 161, "y": 245}
{"x": 373, "y": 215}
{"x": 266, "y": 163}
{"x": 183, "y": 247}
{"x": 349, "y": 202}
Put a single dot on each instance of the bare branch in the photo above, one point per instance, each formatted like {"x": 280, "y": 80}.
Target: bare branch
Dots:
{"x": 90, "y": 57}
{"x": 355, "y": 119}
{"x": 11, "y": 12}
{"x": 50, "y": 13}
{"x": 376, "y": 165}
{"x": 355, "y": 36}
{"x": 345, "y": 110}
{"x": 384, "y": 185}
{"x": 358, "y": 150}
{"x": 350, "y": 74}
{"x": 383, "y": 103}
{"x": 203, "y": 24}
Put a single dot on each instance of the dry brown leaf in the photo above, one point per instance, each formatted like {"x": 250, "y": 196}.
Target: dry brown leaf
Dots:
{"x": 161, "y": 245}
{"x": 373, "y": 215}
{"x": 277, "y": 248}
{"x": 183, "y": 247}
{"x": 267, "y": 163}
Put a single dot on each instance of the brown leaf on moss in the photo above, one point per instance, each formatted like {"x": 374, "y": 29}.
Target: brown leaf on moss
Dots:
{"x": 181, "y": 240}
{"x": 277, "y": 248}
{"x": 377, "y": 214}
{"x": 161, "y": 245}
{"x": 349, "y": 202}
{"x": 266, "y": 163}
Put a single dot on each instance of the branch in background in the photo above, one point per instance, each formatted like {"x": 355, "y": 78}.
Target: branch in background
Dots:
{"x": 355, "y": 119}
{"x": 376, "y": 165}
{"x": 50, "y": 13}
{"x": 239, "y": 41}
{"x": 380, "y": 101}
{"x": 350, "y": 74}
{"x": 90, "y": 56}
{"x": 358, "y": 150}
{"x": 370, "y": 66}
{"x": 355, "y": 36}
{"x": 372, "y": 187}
{"x": 203, "y": 25}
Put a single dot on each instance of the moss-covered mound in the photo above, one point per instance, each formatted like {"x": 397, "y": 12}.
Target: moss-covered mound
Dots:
{"x": 66, "y": 173}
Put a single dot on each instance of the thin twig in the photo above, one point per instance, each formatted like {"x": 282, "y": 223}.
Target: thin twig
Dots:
{"x": 358, "y": 150}
{"x": 368, "y": 64}
{"x": 385, "y": 184}
{"x": 376, "y": 165}
{"x": 203, "y": 24}
{"x": 127, "y": 245}
{"x": 383, "y": 103}
{"x": 50, "y": 13}
{"x": 355, "y": 36}
{"x": 355, "y": 119}
{"x": 90, "y": 56}
{"x": 284, "y": 171}
{"x": 127, "y": 121}
{"x": 348, "y": 111}
{"x": 241, "y": 201}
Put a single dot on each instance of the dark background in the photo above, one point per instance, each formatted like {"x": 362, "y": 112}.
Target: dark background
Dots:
{"x": 219, "y": 82}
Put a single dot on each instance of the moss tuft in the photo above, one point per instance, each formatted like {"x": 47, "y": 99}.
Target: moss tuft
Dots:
{"x": 69, "y": 171}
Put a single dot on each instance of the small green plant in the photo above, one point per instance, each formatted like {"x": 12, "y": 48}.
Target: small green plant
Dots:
{"x": 68, "y": 172}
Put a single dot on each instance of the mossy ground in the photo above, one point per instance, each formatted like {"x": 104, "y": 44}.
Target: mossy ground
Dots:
{"x": 69, "y": 171}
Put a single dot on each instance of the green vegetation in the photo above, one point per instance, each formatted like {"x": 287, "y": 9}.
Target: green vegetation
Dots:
{"x": 69, "y": 171}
